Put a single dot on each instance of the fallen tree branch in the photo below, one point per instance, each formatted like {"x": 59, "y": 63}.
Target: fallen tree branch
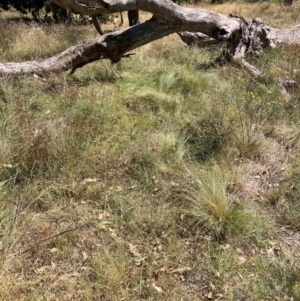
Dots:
{"x": 253, "y": 71}
{"x": 239, "y": 58}
{"x": 243, "y": 37}
{"x": 111, "y": 46}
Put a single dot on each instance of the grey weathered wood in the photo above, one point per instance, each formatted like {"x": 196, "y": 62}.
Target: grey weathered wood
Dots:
{"x": 196, "y": 39}
{"x": 167, "y": 18}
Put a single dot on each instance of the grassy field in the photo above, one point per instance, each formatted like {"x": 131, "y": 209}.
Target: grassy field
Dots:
{"x": 154, "y": 179}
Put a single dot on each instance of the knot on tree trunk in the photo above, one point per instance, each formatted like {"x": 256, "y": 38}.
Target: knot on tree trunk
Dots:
{"x": 249, "y": 42}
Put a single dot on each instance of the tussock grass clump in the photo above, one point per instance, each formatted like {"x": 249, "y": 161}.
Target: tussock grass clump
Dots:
{"x": 210, "y": 207}
{"x": 207, "y": 136}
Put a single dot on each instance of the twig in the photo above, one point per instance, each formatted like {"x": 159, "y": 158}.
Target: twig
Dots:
{"x": 47, "y": 239}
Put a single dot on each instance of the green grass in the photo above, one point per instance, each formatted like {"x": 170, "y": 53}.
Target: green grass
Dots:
{"x": 152, "y": 179}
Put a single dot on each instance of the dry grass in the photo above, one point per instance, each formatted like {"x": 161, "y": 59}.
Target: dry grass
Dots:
{"x": 152, "y": 179}
{"x": 274, "y": 14}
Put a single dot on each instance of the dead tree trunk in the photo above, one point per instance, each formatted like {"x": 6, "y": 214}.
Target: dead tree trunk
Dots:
{"x": 97, "y": 24}
{"x": 133, "y": 17}
{"x": 214, "y": 1}
{"x": 241, "y": 35}
{"x": 288, "y": 2}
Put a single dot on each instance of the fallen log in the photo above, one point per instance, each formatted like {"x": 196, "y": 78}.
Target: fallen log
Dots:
{"x": 242, "y": 36}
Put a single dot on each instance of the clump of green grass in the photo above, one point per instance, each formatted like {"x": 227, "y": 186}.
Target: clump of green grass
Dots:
{"x": 206, "y": 136}
{"x": 209, "y": 207}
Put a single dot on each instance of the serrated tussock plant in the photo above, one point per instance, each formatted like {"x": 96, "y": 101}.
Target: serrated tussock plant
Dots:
{"x": 206, "y": 205}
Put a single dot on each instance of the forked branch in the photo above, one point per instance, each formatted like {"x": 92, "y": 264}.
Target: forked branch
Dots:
{"x": 242, "y": 36}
